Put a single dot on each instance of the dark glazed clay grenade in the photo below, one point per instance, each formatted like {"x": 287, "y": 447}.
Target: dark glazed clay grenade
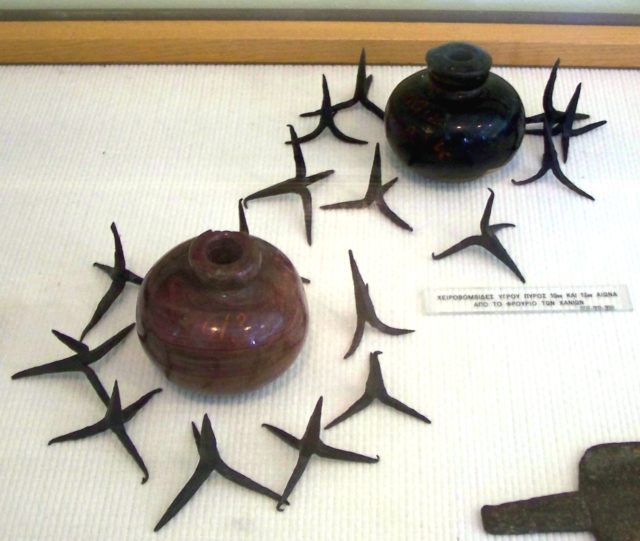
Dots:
{"x": 222, "y": 313}
{"x": 455, "y": 120}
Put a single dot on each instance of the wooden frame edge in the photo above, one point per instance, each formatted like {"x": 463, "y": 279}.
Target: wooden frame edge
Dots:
{"x": 309, "y": 42}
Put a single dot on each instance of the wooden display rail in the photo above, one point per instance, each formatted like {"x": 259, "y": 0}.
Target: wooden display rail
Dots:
{"x": 309, "y": 42}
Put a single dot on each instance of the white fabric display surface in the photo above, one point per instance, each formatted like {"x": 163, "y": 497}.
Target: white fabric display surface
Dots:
{"x": 166, "y": 152}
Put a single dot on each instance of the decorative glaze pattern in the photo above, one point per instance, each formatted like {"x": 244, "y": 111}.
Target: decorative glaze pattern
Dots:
{"x": 222, "y": 313}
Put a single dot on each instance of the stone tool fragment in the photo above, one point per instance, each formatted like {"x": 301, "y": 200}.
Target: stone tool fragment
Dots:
{"x": 326, "y": 121}
{"x": 80, "y": 362}
{"x": 119, "y": 275}
{"x": 487, "y": 240}
{"x": 365, "y": 311}
{"x": 296, "y": 185}
{"x": 114, "y": 419}
{"x": 375, "y": 195}
{"x": 376, "y": 390}
{"x": 605, "y": 504}
{"x": 210, "y": 461}
{"x": 363, "y": 83}
{"x": 310, "y": 445}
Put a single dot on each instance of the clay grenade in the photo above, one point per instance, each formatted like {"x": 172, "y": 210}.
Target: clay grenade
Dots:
{"x": 222, "y": 313}
{"x": 455, "y": 120}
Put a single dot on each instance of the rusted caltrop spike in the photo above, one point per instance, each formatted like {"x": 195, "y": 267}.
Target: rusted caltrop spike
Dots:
{"x": 80, "y": 362}
{"x": 119, "y": 275}
{"x": 326, "y": 121}
{"x": 607, "y": 503}
{"x": 375, "y": 389}
{"x": 295, "y": 185}
{"x": 487, "y": 239}
{"x": 375, "y": 195}
{"x": 566, "y": 126}
{"x": 551, "y": 114}
{"x": 360, "y": 95}
{"x": 244, "y": 228}
{"x": 210, "y": 461}
{"x": 365, "y": 311}
{"x": 550, "y": 163}
{"x": 114, "y": 420}
{"x": 310, "y": 444}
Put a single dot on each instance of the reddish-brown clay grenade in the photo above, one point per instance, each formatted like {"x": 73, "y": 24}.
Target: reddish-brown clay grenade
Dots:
{"x": 224, "y": 312}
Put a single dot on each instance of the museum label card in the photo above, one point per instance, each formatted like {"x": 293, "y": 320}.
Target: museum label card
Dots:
{"x": 476, "y": 300}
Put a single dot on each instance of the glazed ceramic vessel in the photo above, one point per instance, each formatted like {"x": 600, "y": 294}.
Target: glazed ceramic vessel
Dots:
{"x": 455, "y": 120}
{"x": 224, "y": 312}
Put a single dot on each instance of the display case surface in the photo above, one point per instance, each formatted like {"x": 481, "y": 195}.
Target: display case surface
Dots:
{"x": 166, "y": 152}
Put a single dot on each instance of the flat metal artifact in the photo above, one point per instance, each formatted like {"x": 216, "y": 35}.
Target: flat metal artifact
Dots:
{"x": 210, "y": 461}
{"x": 607, "y": 502}
{"x": 119, "y": 275}
{"x": 80, "y": 362}
{"x": 114, "y": 419}
{"x": 376, "y": 390}
{"x": 310, "y": 445}
{"x": 487, "y": 240}
{"x": 365, "y": 311}
{"x": 375, "y": 195}
{"x": 295, "y": 185}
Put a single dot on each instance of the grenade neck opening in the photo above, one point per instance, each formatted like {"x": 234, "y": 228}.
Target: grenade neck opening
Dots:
{"x": 224, "y": 251}
{"x": 460, "y": 55}
{"x": 458, "y": 66}
{"x": 225, "y": 259}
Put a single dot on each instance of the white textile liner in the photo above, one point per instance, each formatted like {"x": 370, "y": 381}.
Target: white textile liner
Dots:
{"x": 166, "y": 152}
